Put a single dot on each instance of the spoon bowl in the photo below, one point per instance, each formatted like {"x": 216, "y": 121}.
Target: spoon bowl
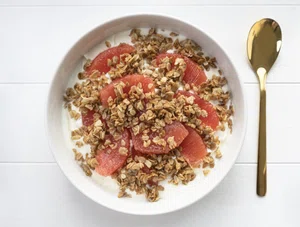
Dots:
{"x": 264, "y": 44}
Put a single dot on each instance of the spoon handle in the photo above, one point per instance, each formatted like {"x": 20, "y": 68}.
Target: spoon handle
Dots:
{"x": 261, "y": 187}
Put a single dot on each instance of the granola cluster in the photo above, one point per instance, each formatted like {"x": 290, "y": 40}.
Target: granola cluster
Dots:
{"x": 143, "y": 174}
{"x": 148, "y": 112}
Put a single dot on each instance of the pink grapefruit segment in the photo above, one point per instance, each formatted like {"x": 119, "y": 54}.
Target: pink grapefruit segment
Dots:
{"x": 175, "y": 129}
{"x": 110, "y": 160}
{"x": 212, "y": 118}
{"x": 134, "y": 153}
{"x": 88, "y": 118}
{"x": 129, "y": 80}
{"x": 193, "y": 73}
{"x": 193, "y": 148}
{"x": 100, "y": 61}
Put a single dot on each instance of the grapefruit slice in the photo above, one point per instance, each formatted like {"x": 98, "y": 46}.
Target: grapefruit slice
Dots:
{"x": 193, "y": 148}
{"x": 129, "y": 81}
{"x": 110, "y": 160}
{"x": 193, "y": 72}
{"x": 87, "y": 118}
{"x": 134, "y": 153}
{"x": 176, "y": 129}
{"x": 100, "y": 61}
{"x": 212, "y": 118}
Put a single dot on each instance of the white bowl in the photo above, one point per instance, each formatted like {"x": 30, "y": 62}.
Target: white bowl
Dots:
{"x": 175, "y": 197}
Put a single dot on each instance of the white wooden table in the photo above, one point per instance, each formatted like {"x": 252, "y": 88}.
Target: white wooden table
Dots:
{"x": 34, "y": 35}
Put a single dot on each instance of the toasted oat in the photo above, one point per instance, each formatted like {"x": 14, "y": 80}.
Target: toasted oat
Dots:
{"x": 123, "y": 194}
{"x": 159, "y": 141}
{"x": 123, "y": 143}
{"x": 152, "y": 194}
{"x": 77, "y": 137}
{"x": 173, "y": 34}
{"x": 206, "y": 172}
{"x": 208, "y": 161}
{"x": 75, "y": 115}
{"x": 190, "y": 100}
{"x": 187, "y": 87}
{"x": 92, "y": 162}
{"x": 147, "y": 143}
{"x": 78, "y": 155}
{"x": 87, "y": 64}
{"x": 171, "y": 142}
{"x": 150, "y": 85}
{"x": 107, "y": 43}
{"x": 81, "y": 76}
{"x": 113, "y": 146}
{"x": 86, "y": 170}
{"x": 145, "y": 137}
{"x": 218, "y": 154}
{"x": 94, "y": 74}
{"x": 148, "y": 163}
{"x": 79, "y": 144}
{"x": 123, "y": 150}
{"x": 152, "y": 31}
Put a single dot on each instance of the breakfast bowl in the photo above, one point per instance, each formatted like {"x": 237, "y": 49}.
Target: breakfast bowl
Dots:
{"x": 103, "y": 190}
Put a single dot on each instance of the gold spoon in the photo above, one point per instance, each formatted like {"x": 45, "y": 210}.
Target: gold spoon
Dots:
{"x": 263, "y": 46}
